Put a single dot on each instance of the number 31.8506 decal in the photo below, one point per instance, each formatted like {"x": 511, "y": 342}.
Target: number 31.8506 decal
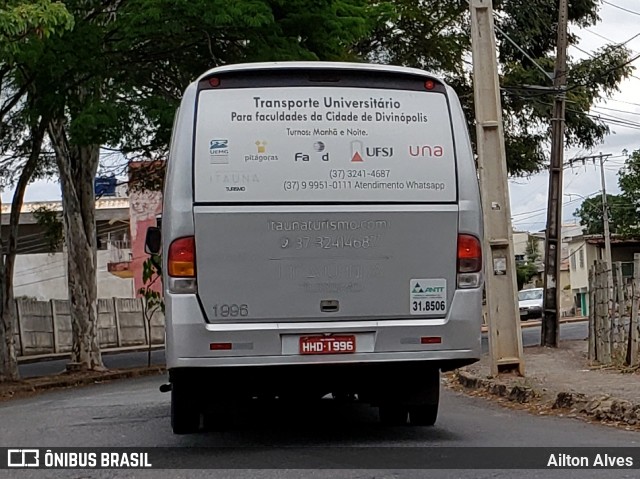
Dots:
{"x": 428, "y": 306}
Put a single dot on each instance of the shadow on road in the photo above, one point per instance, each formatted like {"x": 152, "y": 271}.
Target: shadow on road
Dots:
{"x": 317, "y": 423}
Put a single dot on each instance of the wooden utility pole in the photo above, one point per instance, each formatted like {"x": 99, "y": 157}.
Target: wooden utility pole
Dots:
{"x": 503, "y": 318}
{"x": 553, "y": 233}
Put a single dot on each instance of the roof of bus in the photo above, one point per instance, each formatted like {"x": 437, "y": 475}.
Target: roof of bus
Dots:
{"x": 318, "y": 65}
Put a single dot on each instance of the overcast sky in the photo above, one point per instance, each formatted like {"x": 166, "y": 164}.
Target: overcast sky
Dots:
{"x": 529, "y": 195}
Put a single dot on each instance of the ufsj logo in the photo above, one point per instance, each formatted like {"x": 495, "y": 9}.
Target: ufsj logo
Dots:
{"x": 359, "y": 152}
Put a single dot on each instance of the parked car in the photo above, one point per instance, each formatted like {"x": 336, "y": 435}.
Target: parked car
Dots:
{"x": 530, "y": 303}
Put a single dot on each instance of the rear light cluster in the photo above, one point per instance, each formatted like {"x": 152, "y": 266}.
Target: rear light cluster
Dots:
{"x": 181, "y": 265}
{"x": 469, "y": 261}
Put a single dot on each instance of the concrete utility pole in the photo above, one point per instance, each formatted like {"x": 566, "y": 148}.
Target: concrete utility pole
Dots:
{"x": 607, "y": 254}
{"x": 553, "y": 239}
{"x": 503, "y": 318}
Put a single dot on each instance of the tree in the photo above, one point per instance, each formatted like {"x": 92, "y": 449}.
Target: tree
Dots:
{"x": 115, "y": 80}
{"x": 591, "y": 215}
{"x": 629, "y": 183}
{"x": 23, "y": 25}
{"x": 435, "y": 35}
{"x": 529, "y": 268}
{"x": 152, "y": 301}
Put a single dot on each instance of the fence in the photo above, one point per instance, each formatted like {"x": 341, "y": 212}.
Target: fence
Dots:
{"x": 614, "y": 325}
{"x": 44, "y": 327}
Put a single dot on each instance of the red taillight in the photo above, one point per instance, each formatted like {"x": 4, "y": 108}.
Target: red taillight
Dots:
{"x": 469, "y": 254}
{"x": 429, "y": 84}
{"x": 430, "y": 340}
{"x": 182, "y": 258}
{"x": 220, "y": 346}
{"x": 214, "y": 82}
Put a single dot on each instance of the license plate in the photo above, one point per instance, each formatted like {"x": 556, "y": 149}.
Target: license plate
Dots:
{"x": 327, "y": 344}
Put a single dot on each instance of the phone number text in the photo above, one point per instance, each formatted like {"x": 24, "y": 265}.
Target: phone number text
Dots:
{"x": 345, "y": 174}
{"x": 296, "y": 185}
{"x": 329, "y": 242}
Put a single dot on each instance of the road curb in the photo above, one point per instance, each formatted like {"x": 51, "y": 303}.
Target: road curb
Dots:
{"x": 602, "y": 408}
{"x": 30, "y": 386}
{"x": 533, "y": 324}
{"x": 105, "y": 352}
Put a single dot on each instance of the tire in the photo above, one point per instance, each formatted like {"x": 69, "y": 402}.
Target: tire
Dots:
{"x": 185, "y": 413}
{"x": 393, "y": 414}
{"x": 424, "y": 415}
{"x": 425, "y": 411}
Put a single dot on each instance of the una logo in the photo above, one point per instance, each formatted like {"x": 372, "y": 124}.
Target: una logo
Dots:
{"x": 262, "y": 146}
{"x": 417, "y": 289}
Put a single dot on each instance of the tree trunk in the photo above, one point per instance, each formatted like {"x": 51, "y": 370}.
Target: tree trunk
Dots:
{"x": 8, "y": 355}
{"x": 8, "y": 358}
{"x": 77, "y": 165}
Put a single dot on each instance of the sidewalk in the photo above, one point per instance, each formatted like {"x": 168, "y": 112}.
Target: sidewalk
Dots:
{"x": 538, "y": 322}
{"x": 559, "y": 381}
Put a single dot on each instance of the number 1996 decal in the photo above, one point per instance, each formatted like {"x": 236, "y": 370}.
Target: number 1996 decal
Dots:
{"x": 230, "y": 310}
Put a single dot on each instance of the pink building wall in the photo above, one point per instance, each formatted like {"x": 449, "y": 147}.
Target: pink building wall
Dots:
{"x": 143, "y": 209}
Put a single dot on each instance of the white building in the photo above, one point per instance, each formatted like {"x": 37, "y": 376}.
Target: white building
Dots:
{"x": 42, "y": 275}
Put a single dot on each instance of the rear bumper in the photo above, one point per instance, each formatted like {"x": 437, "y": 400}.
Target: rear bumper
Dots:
{"x": 276, "y": 343}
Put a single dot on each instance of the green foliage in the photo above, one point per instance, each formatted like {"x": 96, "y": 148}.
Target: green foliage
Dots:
{"x": 22, "y": 22}
{"x": 621, "y": 216}
{"x": 629, "y": 183}
{"x": 524, "y": 273}
{"x": 152, "y": 301}
{"x": 531, "y": 250}
{"x": 49, "y": 221}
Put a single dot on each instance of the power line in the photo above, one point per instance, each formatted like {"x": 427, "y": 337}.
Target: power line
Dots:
{"x": 617, "y": 111}
{"x": 623, "y": 101}
{"x": 621, "y": 8}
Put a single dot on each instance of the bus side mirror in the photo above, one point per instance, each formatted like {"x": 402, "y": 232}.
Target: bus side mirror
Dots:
{"x": 153, "y": 240}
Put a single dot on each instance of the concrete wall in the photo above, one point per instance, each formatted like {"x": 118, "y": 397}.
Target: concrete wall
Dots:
{"x": 44, "y": 276}
{"x": 44, "y": 327}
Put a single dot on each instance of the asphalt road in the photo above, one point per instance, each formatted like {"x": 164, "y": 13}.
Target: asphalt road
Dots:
{"x": 132, "y": 413}
{"x": 530, "y": 337}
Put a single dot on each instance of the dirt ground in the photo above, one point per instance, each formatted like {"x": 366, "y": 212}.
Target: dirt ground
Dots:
{"x": 29, "y": 387}
{"x": 561, "y": 382}
{"x": 567, "y": 369}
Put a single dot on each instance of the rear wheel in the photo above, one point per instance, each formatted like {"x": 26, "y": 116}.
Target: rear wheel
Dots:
{"x": 185, "y": 413}
{"x": 425, "y": 415}
{"x": 424, "y": 412}
{"x": 393, "y": 414}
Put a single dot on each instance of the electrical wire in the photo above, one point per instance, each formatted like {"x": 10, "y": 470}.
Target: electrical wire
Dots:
{"x": 621, "y": 8}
